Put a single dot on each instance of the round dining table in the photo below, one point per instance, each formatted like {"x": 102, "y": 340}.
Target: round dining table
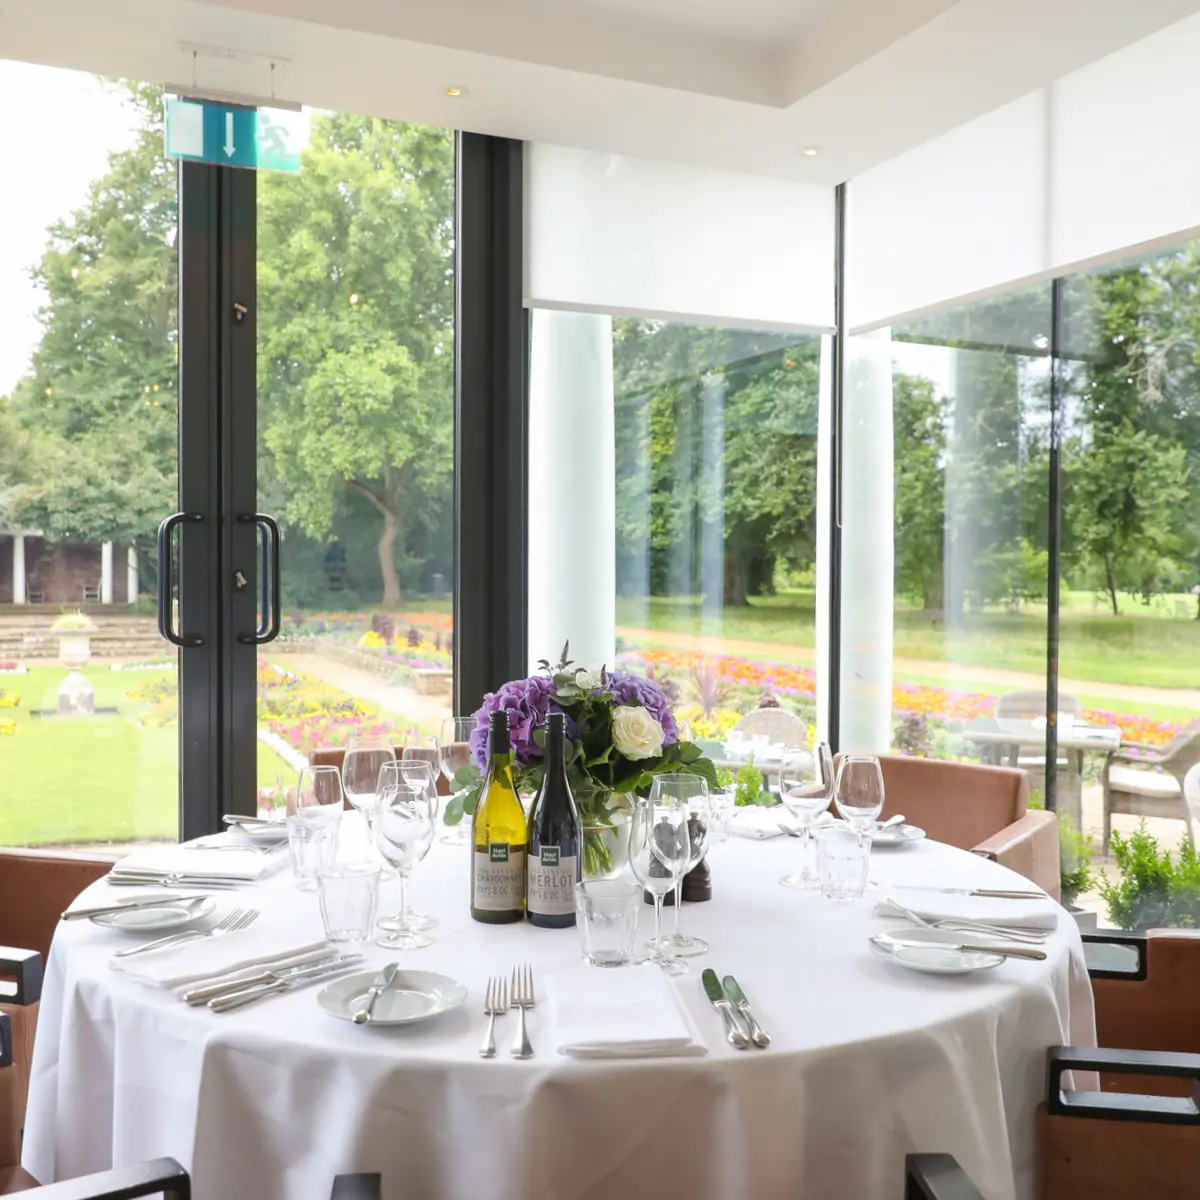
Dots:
{"x": 868, "y": 1061}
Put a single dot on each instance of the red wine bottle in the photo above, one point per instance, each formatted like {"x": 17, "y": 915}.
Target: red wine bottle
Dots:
{"x": 554, "y": 854}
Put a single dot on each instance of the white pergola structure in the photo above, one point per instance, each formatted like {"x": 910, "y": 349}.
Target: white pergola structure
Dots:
{"x": 20, "y": 579}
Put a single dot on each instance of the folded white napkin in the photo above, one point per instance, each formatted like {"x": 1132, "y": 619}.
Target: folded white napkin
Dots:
{"x": 942, "y": 906}
{"x": 758, "y": 821}
{"x": 242, "y": 863}
{"x": 266, "y": 943}
{"x": 621, "y": 1012}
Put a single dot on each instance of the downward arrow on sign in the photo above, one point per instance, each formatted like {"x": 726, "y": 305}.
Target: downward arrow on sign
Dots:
{"x": 229, "y": 147}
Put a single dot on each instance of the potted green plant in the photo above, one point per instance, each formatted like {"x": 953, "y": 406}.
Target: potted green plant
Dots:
{"x": 1153, "y": 890}
{"x": 74, "y": 632}
{"x": 1075, "y": 872}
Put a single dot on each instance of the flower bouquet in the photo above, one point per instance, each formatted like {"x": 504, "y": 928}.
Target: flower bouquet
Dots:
{"x": 620, "y": 734}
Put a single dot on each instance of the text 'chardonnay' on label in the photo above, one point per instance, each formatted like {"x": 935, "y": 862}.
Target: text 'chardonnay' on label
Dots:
{"x": 554, "y": 860}
{"x": 498, "y": 836}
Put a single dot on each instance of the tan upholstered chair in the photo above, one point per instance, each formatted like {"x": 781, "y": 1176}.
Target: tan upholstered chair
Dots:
{"x": 978, "y": 808}
{"x": 1139, "y": 1135}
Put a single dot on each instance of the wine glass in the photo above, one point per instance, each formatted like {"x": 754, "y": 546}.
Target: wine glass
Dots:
{"x": 312, "y": 841}
{"x": 418, "y": 773}
{"x": 806, "y": 788}
{"x": 456, "y": 753}
{"x": 404, "y": 829}
{"x": 659, "y": 853}
{"x": 691, "y": 792}
{"x": 422, "y": 747}
{"x": 858, "y": 792}
{"x": 365, "y": 757}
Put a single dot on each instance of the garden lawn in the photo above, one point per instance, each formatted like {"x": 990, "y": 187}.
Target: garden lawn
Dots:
{"x": 91, "y": 779}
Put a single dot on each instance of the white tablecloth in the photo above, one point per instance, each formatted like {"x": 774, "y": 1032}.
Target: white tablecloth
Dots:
{"x": 868, "y": 1062}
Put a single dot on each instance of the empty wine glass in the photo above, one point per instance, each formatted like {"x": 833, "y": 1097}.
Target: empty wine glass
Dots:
{"x": 858, "y": 792}
{"x": 659, "y": 853}
{"x": 456, "y": 753}
{"x": 365, "y": 757}
{"x": 691, "y": 792}
{"x": 313, "y": 828}
{"x": 418, "y": 773}
{"x": 404, "y": 831}
{"x": 422, "y": 747}
{"x": 806, "y": 788}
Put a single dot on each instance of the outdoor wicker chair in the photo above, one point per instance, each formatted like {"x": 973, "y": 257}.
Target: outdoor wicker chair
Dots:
{"x": 1149, "y": 793}
{"x": 782, "y": 728}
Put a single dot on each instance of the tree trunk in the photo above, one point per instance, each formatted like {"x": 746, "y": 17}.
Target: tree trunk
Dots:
{"x": 387, "y": 561}
{"x": 1110, "y": 584}
{"x": 735, "y": 579}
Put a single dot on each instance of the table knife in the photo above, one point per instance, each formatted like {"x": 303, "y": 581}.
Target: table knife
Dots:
{"x": 716, "y": 994}
{"x": 203, "y": 995}
{"x": 379, "y": 985}
{"x": 249, "y": 995}
{"x": 758, "y": 1035}
{"x": 992, "y": 893}
{"x": 1008, "y": 951}
{"x": 77, "y": 914}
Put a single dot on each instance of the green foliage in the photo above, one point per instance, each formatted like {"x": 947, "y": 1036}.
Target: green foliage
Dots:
{"x": 748, "y": 789}
{"x": 1154, "y": 891}
{"x": 1074, "y": 857}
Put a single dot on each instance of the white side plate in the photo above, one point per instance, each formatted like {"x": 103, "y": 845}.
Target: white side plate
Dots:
{"x": 414, "y": 996}
{"x": 161, "y": 916}
{"x": 937, "y": 957}
{"x": 898, "y": 835}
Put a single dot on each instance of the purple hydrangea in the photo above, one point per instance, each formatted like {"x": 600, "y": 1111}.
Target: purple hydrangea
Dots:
{"x": 634, "y": 689}
{"x": 527, "y": 701}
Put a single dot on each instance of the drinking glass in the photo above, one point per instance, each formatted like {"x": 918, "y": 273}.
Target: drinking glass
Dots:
{"x": 608, "y": 915}
{"x": 806, "y": 788}
{"x": 691, "y": 792}
{"x": 659, "y": 853}
{"x": 456, "y": 753}
{"x": 348, "y": 898}
{"x": 365, "y": 757}
{"x": 404, "y": 830}
{"x": 418, "y": 773}
{"x": 843, "y": 857}
{"x": 422, "y": 747}
{"x": 858, "y": 792}
{"x": 313, "y": 829}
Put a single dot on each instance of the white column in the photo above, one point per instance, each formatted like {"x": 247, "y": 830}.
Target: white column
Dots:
{"x": 867, "y": 546}
{"x": 572, "y": 490}
{"x": 131, "y": 575}
{"x": 18, "y": 571}
{"x": 106, "y": 572}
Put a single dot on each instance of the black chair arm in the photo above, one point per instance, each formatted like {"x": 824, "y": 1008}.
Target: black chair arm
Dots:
{"x": 1132, "y": 941}
{"x": 6, "y": 1042}
{"x": 357, "y": 1187}
{"x": 159, "y": 1176}
{"x": 26, "y": 966}
{"x": 1123, "y": 1106}
{"x": 937, "y": 1177}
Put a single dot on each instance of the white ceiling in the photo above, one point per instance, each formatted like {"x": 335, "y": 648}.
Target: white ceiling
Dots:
{"x": 743, "y": 86}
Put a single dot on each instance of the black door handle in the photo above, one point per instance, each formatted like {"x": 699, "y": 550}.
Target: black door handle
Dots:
{"x": 270, "y": 622}
{"x": 165, "y": 626}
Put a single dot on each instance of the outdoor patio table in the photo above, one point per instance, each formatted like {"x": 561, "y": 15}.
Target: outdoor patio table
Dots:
{"x": 1003, "y": 738}
{"x": 868, "y": 1061}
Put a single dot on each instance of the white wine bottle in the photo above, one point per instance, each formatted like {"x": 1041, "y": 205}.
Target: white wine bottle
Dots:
{"x": 498, "y": 836}
{"x": 555, "y": 856}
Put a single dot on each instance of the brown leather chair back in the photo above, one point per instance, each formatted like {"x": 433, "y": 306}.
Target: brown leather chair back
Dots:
{"x": 335, "y": 756}
{"x": 35, "y": 887}
{"x": 961, "y": 804}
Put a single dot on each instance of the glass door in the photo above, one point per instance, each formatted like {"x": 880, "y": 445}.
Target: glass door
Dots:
{"x": 89, "y": 287}
{"x": 355, "y": 439}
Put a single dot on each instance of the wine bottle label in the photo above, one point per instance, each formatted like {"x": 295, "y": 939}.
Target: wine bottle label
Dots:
{"x": 552, "y": 879}
{"x": 499, "y": 877}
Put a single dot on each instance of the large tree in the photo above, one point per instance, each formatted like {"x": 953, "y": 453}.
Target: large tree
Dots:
{"x": 355, "y": 329}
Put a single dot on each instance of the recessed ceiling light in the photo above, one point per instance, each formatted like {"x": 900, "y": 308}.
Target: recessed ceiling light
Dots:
{"x": 809, "y": 151}
{"x": 456, "y": 91}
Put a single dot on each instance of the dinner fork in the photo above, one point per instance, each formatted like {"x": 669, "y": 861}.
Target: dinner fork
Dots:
{"x": 522, "y": 999}
{"x": 495, "y": 1004}
{"x": 235, "y": 920}
{"x": 1028, "y": 936}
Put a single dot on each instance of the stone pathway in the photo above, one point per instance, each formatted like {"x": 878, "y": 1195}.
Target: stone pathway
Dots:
{"x": 949, "y": 672}
{"x": 426, "y": 711}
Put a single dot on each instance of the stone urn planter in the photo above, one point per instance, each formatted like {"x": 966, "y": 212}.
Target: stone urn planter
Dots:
{"x": 74, "y": 633}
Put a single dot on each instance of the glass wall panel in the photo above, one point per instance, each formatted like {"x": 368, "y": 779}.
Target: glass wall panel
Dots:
{"x": 714, "y": 434}
{"x": 355, "y": 426}
{"x": 971, "y": 430}
{"x": 1131, "y": 564}
{"x": 88, "y": 464}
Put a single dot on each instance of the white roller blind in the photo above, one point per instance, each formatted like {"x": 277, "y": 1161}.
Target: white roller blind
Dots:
{"x": 605, "y": 233}
{"x": 1102, "y": 164}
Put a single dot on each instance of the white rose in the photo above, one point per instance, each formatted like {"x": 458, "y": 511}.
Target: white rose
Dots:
{"x": 636, "y": 734}
{"x": 588, "y": 680}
